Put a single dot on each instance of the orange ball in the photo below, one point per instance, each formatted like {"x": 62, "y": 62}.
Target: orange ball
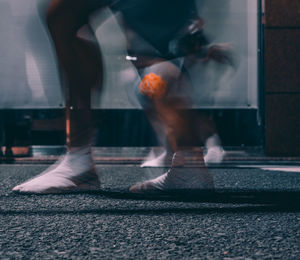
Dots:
{"x": 153, "y": 86}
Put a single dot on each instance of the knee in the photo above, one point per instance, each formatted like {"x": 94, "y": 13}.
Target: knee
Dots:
{"x": 153, "y": 86}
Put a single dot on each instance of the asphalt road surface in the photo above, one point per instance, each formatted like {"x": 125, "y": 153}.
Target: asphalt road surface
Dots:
{"x": 96, "y": 226}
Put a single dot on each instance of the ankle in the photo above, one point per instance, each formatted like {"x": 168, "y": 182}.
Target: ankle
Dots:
{"x": 185, "y": 156}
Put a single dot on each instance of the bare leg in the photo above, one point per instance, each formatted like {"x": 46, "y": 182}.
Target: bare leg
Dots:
{"x": 202, "y": 131}
{"x": 179, "y": 126}
{"x": 81, "y": 65}
{"x": 155, "y": 158}
{"x": 80, "y": 61}
{"x": 182, "y": 136}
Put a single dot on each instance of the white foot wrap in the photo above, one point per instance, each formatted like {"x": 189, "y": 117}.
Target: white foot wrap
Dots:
{"x": 156, "y": 161}
{"x": 177, "y": 178}
{"x": 214, "y": 150}
{"x": 214, "y": 155}
{"x": 75, "y": 172}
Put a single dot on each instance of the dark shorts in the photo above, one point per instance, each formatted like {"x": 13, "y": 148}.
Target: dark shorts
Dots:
{"x": 94, "y": 5}
{"x": 157, "y": 21}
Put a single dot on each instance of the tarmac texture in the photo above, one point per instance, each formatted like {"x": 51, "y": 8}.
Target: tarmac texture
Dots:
{"x": 95, "y": 226}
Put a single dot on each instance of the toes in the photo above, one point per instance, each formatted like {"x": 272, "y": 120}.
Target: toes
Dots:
{"x": 17, "y": 188}
{"x": 135, "y": 189}
{"x": 146, "y": 187}
{"x": 139, "y": 188}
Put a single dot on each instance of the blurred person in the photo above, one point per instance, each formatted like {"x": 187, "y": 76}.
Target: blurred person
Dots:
{"x": 190, "y": 46}
{"x": 167, "y": 98}
{"x": 80, "y": 61}
{"x": 205, "y": 126}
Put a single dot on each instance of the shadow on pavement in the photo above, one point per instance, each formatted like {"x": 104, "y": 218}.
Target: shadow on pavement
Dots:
{"x": 282, "y": 199}
{"x": 221, "y": 201}
{"x": 156, "y": 211}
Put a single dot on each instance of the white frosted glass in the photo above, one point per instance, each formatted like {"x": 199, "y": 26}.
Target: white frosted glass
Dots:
{"x": 29, "y": 76}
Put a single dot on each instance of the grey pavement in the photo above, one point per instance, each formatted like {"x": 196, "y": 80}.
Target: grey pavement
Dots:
{"x": 95, "y": 226}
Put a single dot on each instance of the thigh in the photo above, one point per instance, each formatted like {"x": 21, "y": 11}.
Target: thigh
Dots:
{"x": 76, "y": 10}
{"x": 94, "y": 5}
